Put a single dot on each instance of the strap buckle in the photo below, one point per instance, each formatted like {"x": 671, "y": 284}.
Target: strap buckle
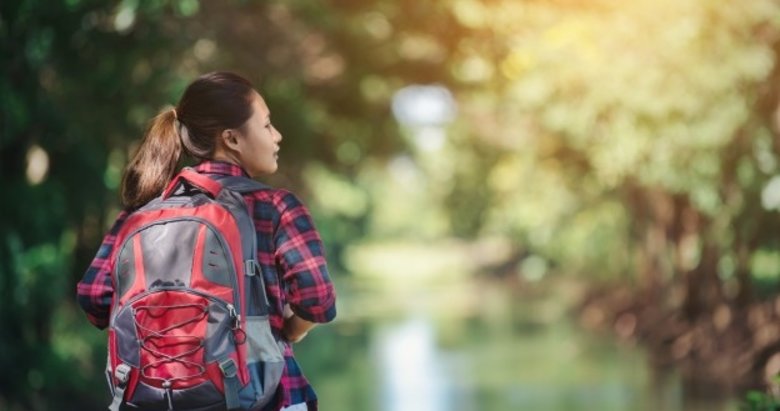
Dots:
{"x": 122, "y": 373}
{"x": 228, "y": 368}
{"x": 251, "y": 268}
{"x": 232, "y": 385}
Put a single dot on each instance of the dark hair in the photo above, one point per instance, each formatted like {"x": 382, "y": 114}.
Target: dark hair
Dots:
{"x": 212, "y": 103}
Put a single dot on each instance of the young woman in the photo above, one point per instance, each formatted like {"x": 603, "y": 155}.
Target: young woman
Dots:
{"x": 223, "y": 122}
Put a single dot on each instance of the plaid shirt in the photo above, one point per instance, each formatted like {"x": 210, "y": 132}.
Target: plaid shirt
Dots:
{"x": 288, "y": 244}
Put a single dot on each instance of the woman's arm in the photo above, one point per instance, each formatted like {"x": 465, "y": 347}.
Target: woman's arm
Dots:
{"x": 295, "y": 328}
{"x": 299, "y": 254}
{"x": 95, "y": 290}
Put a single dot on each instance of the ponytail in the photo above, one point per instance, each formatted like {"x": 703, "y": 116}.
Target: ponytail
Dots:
{"x": 154, "y": 164}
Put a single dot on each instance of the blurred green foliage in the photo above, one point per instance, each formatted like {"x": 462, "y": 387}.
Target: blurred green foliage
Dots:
{"x": 759, "y": 401}
{"x": 68, "y": 105}
{"x": 627, "y": 139}
{"x": 616, "y": 140}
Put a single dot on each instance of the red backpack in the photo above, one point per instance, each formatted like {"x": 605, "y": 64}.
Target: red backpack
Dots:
{"x": 189, "y": 323}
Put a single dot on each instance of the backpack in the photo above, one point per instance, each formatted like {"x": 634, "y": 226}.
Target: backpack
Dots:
{"x": 189, "y": 326}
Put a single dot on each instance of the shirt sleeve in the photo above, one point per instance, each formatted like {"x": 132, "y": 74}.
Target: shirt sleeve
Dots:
{"x": 95, "y": 290}
{"x": 299, "y": 254}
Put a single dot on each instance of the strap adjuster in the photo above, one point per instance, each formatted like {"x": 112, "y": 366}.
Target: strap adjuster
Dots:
{"x": 251, "y": 268}
{"x": 228, "y": 368}
{"x": 232, "y": 385}
{"x": 122, "y": 373}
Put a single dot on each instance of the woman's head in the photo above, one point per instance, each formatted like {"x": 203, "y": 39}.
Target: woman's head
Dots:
{"x": 254, "y": 145}
{"x": 219, "y": 116}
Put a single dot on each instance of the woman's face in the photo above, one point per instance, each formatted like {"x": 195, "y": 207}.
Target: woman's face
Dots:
{"x": 258, "y": 141}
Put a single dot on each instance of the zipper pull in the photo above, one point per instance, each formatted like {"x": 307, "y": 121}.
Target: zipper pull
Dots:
{"x": 168, "y": 393}
{"x": 235, "y": 317}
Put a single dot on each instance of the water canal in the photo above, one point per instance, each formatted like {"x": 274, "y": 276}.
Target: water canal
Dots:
{"x": 423, "y": 351}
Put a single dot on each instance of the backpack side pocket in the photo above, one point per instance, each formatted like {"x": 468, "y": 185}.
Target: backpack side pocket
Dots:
{"x": 265, "y": 359}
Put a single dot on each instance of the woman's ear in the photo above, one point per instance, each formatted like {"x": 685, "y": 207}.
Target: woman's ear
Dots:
{"x": 230, "y": 139}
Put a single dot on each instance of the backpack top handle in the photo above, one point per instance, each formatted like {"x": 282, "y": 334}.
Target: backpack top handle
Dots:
{"x": 197, "y": 180}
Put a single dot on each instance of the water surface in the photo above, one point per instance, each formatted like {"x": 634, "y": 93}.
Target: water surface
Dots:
{"x": 519, "y": 356}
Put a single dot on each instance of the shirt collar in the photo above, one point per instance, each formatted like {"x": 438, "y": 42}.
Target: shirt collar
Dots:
{"x": 220, "y": 167}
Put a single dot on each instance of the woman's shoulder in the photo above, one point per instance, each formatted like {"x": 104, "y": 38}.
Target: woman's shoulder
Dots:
{"x": 280, "y": 199}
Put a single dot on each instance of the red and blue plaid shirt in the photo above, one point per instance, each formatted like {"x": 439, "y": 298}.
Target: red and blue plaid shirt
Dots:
{"x": 295, "y": 253}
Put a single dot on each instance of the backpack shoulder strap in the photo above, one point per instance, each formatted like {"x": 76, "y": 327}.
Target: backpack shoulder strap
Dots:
{"x": 255, "y": 296}
{"x": 235, "y": 187}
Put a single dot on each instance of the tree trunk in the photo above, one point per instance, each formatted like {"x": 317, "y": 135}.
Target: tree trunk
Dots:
{"x": 703, "y": 288}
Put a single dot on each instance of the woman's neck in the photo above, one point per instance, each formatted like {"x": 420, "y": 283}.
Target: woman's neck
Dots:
{"x": 225, "y": 157}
